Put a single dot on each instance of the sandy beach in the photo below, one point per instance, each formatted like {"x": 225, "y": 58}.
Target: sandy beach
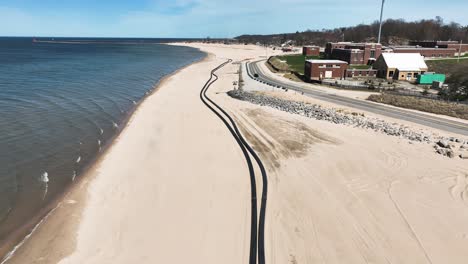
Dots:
{"x": 174, "y": 187}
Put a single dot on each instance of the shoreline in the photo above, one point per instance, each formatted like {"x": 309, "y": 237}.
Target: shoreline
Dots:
{"x": 18, "y": 237}
{"x": 130, "y": 192}
{"x": 175, "y": 179}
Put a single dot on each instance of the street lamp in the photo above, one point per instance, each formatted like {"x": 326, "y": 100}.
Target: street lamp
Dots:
{"x": 380, "y": 27}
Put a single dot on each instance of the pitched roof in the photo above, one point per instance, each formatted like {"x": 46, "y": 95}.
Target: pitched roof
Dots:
{"x": 404, "y": 61}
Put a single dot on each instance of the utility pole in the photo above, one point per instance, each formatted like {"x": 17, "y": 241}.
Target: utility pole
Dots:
{"x": 380, "y": 26}
{"x": 459, "y": 51}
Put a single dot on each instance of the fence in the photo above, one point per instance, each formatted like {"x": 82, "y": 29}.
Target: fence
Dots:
{"x": 347, "y": 86}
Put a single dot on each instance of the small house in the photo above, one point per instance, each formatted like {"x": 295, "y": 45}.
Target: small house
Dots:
{"x": 311, "y": 51}
{"x": 317, "y": 70}
{"x": 400, "y": 66}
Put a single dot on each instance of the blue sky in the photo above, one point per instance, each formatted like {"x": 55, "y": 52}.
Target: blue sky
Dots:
{"x": 202, "y": 18}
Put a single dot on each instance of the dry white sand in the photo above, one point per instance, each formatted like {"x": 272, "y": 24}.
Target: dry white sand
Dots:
{"x": 174, "y": 188}
{"x": 346, "y": 195}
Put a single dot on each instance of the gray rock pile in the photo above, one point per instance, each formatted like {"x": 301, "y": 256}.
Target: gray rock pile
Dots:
{"x": 450, "y": 148}
{"x": 336, "y": 116}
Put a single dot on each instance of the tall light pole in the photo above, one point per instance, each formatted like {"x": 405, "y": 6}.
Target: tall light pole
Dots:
{"x": 380, "y": 27}
{"x": 459, "y": 50}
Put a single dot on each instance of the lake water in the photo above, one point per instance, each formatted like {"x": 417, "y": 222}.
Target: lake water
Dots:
{"x": 61, "y": 102}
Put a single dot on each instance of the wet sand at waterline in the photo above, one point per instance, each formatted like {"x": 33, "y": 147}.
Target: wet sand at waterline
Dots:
{"x": 174, "y": 188}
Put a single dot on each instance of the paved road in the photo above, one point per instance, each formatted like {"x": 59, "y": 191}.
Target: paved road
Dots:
{"x": 419, "y": 118}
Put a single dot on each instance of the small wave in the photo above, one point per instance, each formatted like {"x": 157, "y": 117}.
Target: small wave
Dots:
{"x": 115, "y": 125}
{"x": 134, "y": 102}
{"x": 99, "y": 142}
{"x": 78, "y": 159}
{"x": 13, "y": 251}
{"x": 6, "y": 214}
{"x": 44, "y": 177}
{"x": 101, "y": 131}
{"x": 101, "y": 109}
{"x": 45, "y": 191}
{"x": 74, "y": 176}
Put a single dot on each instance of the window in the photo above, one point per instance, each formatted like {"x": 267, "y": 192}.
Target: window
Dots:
{"x": 390, "y": 74}
{"x": 409, "y": 75}
{"x": 329, "y": 65}
{"x": 372, "y": 54}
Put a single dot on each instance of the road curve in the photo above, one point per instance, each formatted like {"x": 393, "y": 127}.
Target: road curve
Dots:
{"x": 257, "y": 237}
{"x": 398, "y": 113}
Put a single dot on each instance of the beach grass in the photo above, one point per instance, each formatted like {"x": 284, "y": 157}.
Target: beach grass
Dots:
{"x": 423, "y": 104}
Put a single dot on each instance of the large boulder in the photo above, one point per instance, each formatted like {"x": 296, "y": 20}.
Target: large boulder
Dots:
{"x": 451, "y": 154}
{"x": 443, "y": 143}
{"x": 442, "y": 151}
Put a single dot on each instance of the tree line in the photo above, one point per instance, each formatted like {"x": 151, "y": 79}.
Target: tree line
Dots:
{"x": 394, "y": 32}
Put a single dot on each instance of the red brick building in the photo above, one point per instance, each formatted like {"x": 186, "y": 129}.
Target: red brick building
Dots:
{"x": 441, "y": 44}
{"x": 426, "y": 52}
{"x": 360, "y": 73}
{"x": 311, "y": 51}
{"x": 317, "y": 70}
{"x": 354, "y": 53}
{"x": 463, "y": 48}
{"x": 351, "y": 56}
{"x": 330, "y": 46}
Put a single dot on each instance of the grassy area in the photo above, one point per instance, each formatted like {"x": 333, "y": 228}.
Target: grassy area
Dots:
{"x": 296, "y": 62}
{"x": 423, "y": 104}
{"x": 293, "y": 77}
{"x": 278, "y": 64}
{"x": 462, "y": 58}
{"x": 447, "y": 66}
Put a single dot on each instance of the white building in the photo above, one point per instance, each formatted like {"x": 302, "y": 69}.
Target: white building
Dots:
{"x": 400, "y": 66}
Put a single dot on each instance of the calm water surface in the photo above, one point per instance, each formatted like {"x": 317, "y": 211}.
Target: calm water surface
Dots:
{"x": 60, "y": 103}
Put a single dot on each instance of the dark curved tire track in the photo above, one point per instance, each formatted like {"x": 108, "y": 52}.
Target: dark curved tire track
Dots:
{"x": 257, "y": 236}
